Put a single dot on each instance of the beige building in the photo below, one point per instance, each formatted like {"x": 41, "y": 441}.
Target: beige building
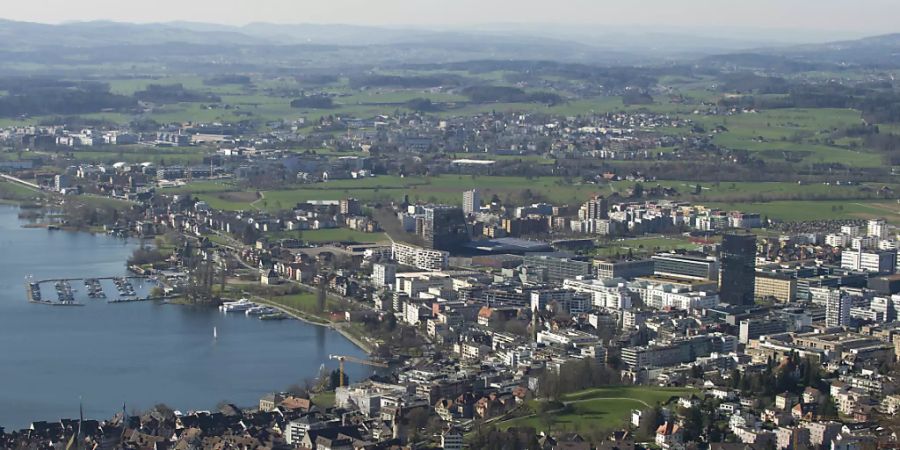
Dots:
{"x": 782, "y": 288}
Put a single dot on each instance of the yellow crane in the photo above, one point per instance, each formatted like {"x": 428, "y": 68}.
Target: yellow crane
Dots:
{"x": 342, "y": 358}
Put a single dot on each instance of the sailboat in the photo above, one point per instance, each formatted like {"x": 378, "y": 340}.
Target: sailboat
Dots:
{"x": 215, "y": 333}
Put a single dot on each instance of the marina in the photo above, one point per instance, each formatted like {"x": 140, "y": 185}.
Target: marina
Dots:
{"x": 129, "y": 289}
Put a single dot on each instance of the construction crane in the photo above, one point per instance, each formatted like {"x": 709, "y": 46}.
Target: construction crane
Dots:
{"x": 342, "y": 358}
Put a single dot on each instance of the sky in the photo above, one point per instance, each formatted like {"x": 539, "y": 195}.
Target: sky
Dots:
{"x": 863, "y": 17}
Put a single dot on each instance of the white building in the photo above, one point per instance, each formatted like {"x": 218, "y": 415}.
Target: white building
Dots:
{"x": 384, "y": 274}
{"x": 420, "y": 258}
{"x": 837, "y": 240}
{"x": 608, "y": 293}
{"x": 883, "y": 262}
{"x": 666, "y": 296}
{"x": 877, "y": 228}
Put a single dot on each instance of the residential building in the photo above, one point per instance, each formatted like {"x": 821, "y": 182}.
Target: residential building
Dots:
{"x": 420, "y": 258}
{"x": 471, "y": 201}
{"x": 883, "y": 262}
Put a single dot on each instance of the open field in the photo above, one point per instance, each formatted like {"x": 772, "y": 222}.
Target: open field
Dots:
{"x": 603, "y": 408}
{"x": 441, "y": 189}
{"x": 810, "y": 210}
{"x": 645, "y": 245}
{"x": 756, "y": 191}
{"x": 519, "y": 190}
{"x": 16, "y": 192}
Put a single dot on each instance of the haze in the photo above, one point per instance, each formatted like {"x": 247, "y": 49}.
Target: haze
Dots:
{"x": 843, "y": 18}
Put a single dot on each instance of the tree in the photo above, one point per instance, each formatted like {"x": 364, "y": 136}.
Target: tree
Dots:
{"x": 637, "y": 191}
{"x": 321, "y": 296}
{"x": 334, "y": 379}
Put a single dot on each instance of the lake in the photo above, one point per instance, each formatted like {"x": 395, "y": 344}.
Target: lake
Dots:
{"x": 137, "y": 353}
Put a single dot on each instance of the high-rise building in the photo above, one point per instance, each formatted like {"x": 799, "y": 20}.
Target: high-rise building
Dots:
{"x": 350, "y": 207}
{"x": 384, "y": 274}
{"x": 595, "y": 208}
{"x": 837, "y": 309}
{"x": 877, "y": 228}
{"x": 471, "y": 201}
{"x": 738, "y": 275}
{"x": 445, "y": 227}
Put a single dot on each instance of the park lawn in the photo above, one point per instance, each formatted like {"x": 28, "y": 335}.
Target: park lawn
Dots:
{"x": 324, "y": 400}
{"x": 103, "y": 202}
{"x": 201, "y": 187}
{"x": 307, "y": 303}
{"x": 302, "y": 302}
{"x": 224, "y": 200}
{"x": 17, "y": 192}
{"x": 604, "y": 414}
{"x": 600, "y": 408}
{"x": 647, "y": 394}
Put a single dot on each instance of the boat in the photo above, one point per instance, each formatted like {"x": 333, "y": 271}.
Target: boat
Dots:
{"x": 238, "y": 306}
{"x": 259, "y": 311}
{"x": 275, "y": 316}
{"x": 215, "y": 333}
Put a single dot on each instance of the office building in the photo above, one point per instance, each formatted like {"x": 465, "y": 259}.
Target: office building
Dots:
{"x": 445, "y": 228}
{"x": 837, "y": 309}
{"x": 471, "y": 201}
{"x": 627, "y": 269}
{"x": 558, "y": 266}
{"x": 736, "y": 281}
{"x": 775, "y": 285}
{"x": 685, "y": 266}
{"x": 753, "y": 328}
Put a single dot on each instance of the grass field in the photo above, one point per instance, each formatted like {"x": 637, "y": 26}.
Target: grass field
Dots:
{"x": 810, "y": 210}
{"x": 601, "y": 408}
{"x": 16, "y": 192}
{"x": 440, "y": 189}
{"x": 448, "y": 189}
{"x": 646, "y": 245}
